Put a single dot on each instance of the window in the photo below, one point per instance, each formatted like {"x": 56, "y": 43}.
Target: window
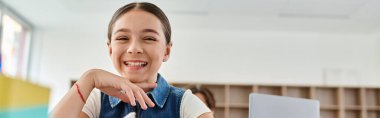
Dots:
{"x": 15, "y": 38}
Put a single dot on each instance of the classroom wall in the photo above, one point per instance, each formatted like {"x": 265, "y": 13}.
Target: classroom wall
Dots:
{"x": 275, "y": 57}
{"x": 218, "y": 56}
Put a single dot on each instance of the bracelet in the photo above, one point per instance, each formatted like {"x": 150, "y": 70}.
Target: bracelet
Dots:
{"x": 80, "y": 94}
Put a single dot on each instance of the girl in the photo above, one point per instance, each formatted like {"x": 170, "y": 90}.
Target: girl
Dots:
{"x": 138, "y": 42}
{"x": 205, "y": 95}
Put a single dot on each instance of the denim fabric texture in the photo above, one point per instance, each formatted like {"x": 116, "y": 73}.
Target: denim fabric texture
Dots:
{"x": 167, "y": 101}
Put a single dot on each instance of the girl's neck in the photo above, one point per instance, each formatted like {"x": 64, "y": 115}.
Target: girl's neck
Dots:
{"x": 152, "y": 80}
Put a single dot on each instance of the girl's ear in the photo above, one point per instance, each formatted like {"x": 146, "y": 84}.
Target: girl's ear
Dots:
{"x": 109, "y": 48}
{"x": 167, "y": 51}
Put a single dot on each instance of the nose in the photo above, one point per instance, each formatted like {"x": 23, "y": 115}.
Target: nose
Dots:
{"x": 135, "y": 48}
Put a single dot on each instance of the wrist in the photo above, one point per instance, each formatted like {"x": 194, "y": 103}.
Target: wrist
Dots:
{"x": 86, "y": 83}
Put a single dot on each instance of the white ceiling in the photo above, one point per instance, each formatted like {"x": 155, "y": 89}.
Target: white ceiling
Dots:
{"x": 332, "y": 16}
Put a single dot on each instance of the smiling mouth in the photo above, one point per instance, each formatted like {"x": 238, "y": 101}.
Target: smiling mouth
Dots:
{"x": 135, "y": 64}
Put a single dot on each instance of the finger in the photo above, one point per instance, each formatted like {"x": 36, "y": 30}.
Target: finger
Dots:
{"x": 140, "y": 98}
{"x": 147, "y": 99}
{"x": 130, "y": 95}
{"x": 128, "y": 91}
{"x": 124, "y": 97}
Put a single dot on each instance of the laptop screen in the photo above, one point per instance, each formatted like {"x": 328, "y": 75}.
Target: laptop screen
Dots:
{"x": 271, "y": 106}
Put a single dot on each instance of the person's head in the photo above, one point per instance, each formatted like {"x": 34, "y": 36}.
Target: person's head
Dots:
{"x": 205, "y": 95}
{"x": 139, "y": 40}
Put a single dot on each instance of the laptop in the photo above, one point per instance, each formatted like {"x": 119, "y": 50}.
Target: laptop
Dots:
{"x": 271, "y": 106}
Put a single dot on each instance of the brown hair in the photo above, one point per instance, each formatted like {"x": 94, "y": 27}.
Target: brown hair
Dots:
{"x": 147, "y": 7}
{"x": 210, "y": 100}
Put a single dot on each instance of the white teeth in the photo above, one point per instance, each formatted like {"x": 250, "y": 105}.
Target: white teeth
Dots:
{"x": 136, "y": 63}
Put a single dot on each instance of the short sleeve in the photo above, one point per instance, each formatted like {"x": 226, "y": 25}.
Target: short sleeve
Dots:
{"x": 192, "y": 106}
{"x": 92, "y": 106}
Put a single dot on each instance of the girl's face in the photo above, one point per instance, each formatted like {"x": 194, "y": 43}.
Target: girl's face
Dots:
{"x": 138, "y": 46}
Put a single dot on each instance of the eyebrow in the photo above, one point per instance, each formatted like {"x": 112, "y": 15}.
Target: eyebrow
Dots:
{"x": 122, "y": 30}
{"x": 151, "y": 30}
{"x": 145, "y": 30}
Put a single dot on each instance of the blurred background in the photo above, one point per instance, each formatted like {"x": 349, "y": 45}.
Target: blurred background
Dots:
{"x": 241, "y": 42}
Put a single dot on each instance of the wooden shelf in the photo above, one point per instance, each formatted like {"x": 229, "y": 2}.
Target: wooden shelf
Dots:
{"x": 329, "y": 107}
{"x": 327, "y": 96}
{"x": 373, "y": 107}
{"x": 238, "y": 113}
{"x": 238, "y": 105}
{"x": 219, "y": 92}
{"x": 351, "y": 97}
{"x": 329, "y": 113}
{"x": 232, "y": 101}
{"x": 272, "y": 90}
{"x": 220, "y": 105}
{"x": 373, "y": 114}
{"x": 299, "y": 92}
{"x": 353, "y": 107}
{"x": 239, "y": 95}
{"x": 352, "y": 114}
{"x": 373, "y": 97}
{"x": 219, "y": 112}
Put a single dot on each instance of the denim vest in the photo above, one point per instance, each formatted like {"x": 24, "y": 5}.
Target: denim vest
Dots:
{"x": 167, "y": 101}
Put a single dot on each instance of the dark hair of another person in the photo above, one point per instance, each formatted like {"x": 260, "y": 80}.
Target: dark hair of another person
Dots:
{"x": 209, "y": 97}
{"x": 144, "y": 6}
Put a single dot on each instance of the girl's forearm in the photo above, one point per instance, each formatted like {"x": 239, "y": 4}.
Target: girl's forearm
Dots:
{"x": 71, "y": 104}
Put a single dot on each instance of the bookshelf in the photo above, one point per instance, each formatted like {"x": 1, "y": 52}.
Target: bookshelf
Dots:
{"x": 335, "y": 101}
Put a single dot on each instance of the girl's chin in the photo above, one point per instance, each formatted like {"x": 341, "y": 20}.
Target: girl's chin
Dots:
{"x": 135, "y": 78}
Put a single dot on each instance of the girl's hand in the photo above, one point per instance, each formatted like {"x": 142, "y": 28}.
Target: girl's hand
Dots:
{"x": 123, "y": 89}
{"x": 72, "y": 103}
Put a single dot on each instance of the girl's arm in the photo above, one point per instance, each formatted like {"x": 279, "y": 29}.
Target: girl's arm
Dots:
{"x": 206, "y": 115}
{"x": 71, "y": 104}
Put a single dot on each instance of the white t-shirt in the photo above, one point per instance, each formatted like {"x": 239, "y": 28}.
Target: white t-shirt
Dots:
{"x": 191, "y": 106}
